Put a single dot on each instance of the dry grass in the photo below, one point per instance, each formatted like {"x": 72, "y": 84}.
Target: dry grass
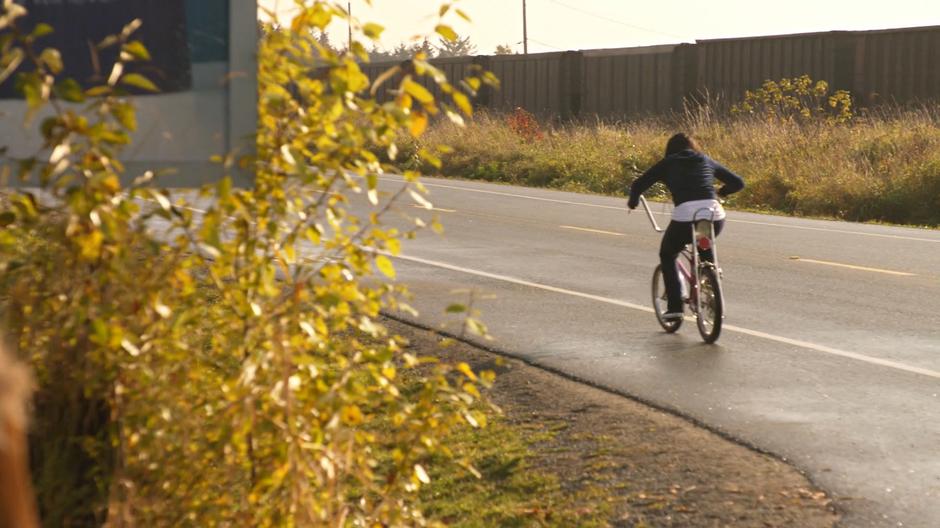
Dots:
{"x": 884, "y": 166}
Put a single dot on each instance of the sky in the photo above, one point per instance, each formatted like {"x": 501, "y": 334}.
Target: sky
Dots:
{"x": 555, "y": 25}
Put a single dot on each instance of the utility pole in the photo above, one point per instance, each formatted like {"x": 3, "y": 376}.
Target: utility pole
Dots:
{"x": 525, "y": 30}
{"x": 349, "y": 10}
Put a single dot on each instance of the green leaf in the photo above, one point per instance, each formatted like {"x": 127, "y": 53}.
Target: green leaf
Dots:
{"x": 456, "y": 308}
{"x": 225, "y": 188}
{"x": 98, "y": 91}
{"x": 48, "y": 126}
{"x": 69, "y": 90}
{"x": 52, "y": 59}
{"x": 384, "y": 264}
{"x": 114, "y": 137}
{"x": 125, "y": 114}
{"x": 137, "y": 50}
{"x": 139, "y": 81}
{"x": 41, "y": 30}
{"x": 373, "y": 31}
{"x": 30, "y": 85}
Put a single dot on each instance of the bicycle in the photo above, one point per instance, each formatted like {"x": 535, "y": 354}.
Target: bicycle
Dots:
{"x": 700, "y": 279}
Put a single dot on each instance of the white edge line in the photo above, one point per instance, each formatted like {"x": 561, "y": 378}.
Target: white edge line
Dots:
{"x": 589, "y": 230}
{"x": 599, "y": 206}
{"x": 753, "y": 333}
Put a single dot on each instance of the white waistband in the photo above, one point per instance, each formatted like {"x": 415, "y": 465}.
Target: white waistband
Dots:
{"x": 686, "y": 212}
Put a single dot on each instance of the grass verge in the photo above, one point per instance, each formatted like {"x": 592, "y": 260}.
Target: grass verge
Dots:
{"x": 512, "y": 490}
{"x": 882, "y": 167}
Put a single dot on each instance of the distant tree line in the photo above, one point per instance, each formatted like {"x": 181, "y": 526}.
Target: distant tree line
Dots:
{"x": 461, "y": 47}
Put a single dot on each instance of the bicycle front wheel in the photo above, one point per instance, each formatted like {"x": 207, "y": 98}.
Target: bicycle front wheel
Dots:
{"x": 711, "y": 313}
{"x": 660, "y": 304}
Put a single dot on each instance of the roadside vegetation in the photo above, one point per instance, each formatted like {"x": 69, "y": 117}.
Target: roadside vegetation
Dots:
{"x": 802, "y": 148}
{"x": 228, "y": 365}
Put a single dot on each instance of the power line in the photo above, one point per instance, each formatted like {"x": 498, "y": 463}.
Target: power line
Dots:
{"x": 615, "y": 21}
{"x": 546, "y": 44}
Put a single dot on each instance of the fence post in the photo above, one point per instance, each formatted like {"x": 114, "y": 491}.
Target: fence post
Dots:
{"x": 572, "y": 84}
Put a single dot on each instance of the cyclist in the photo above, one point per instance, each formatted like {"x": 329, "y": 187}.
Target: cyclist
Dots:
{"x": 690, "y": 177}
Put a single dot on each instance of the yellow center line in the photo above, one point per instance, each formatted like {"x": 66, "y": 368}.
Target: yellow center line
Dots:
{"x": 850, "y": 266}
{"x": 600, "y": 231}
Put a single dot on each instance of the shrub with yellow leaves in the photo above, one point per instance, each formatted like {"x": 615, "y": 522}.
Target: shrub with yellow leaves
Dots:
{"x": 217, "y": 358}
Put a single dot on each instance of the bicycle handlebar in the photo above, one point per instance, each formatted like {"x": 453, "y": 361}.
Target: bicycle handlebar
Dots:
{"x": 649, "y": 214}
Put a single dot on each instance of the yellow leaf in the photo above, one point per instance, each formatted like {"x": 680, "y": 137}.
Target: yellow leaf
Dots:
{"x": 419, "y": 123}
{"x": 447, "y": 32}
{"x": 351, "y": 415}
{"x": 90, "y": 245}
{"x": 463, "y": 102}
{"x": 384, "y": 264}
{"x": 418, "y": 92}
{"x": 467, "y": 371}
{"x": 470, "y": 388}
{"x": 393, "y": 246}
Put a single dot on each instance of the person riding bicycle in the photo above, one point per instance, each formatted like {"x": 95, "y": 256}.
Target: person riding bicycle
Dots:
{"x": 690, "y": 177}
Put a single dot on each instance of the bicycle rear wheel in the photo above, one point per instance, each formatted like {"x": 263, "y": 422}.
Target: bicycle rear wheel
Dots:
{"x": 711, "y": 314}
{"x": 660, "y": 303}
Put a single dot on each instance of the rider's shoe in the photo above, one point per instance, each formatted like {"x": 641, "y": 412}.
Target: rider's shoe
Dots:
{"x": 672, "y": 316}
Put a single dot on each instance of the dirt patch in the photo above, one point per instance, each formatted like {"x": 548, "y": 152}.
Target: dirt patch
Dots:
{"x": 653, "y": 468}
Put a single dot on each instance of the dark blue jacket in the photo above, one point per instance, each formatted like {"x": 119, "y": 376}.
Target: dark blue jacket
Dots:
{"x": 689, "y": 175}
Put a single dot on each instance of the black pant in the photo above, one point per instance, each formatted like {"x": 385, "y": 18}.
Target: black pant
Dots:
{"x": 677, "y": 235}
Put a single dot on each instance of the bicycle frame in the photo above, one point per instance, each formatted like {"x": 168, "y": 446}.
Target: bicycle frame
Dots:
{"x": 691, "y": 254}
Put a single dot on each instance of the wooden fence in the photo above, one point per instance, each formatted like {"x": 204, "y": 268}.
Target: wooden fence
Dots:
{"x": 887, "y": 66}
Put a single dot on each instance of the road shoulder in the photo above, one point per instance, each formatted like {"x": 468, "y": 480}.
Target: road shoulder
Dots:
{"x": 653, "y": 468}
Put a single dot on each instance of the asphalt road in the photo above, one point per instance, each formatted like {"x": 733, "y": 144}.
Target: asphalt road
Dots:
{"x": 830, "y": 360}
